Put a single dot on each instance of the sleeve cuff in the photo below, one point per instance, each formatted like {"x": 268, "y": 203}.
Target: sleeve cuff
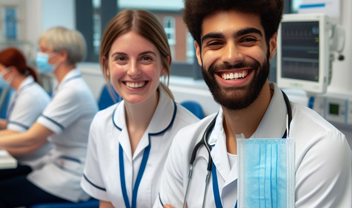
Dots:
{"x": 16, "y": 126}
{"x": 93, "y": 189}
{"x": 51, "y": 124}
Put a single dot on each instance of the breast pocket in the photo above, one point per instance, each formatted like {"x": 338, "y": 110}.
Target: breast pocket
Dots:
{"x": 69, "y": 164}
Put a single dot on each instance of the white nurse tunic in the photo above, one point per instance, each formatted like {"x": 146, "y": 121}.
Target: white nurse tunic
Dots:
{"x": 102, "y": 178}
{"x": 68, "y": 115}
{"x": 26, "y": 105}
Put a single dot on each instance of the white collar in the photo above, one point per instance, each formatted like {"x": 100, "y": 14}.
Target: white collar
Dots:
{"x": 28, "y": 80}
{"x": 70, "y": 75}
{"x": 162, "y": 119}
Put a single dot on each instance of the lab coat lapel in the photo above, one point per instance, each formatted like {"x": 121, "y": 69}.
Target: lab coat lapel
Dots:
{"x": 232, "y": 176}
{"x": 276, "y": 111}
{"x": 219, "y": 151}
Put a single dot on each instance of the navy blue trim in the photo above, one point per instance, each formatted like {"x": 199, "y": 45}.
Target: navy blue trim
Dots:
{"x": 310, "y": 6}
{"x": 113, "y": 121}
{"x": 150, "y": 134}
{"x": 70, "y": 158}
{"x": 122, "y": 178}
{"x": 142, "y": 166}
{"x": 13, "y": 103}
{"x": 216, "y": 188}
{"x": 170, "y": 124}
{"x": 27, "y": 85}
{"x": 72, "y": 78}
{"x": 55, "y": 122}
{"x": 140, "y": 174}
{"x": 91, "y": 183}
{"x": 18, "y": 124}
{"x": 66, "y": 169}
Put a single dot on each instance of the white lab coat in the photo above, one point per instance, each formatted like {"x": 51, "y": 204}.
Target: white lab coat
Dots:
{"x": 108, "y": 130}
{"x": 26, "y": 105}
{"x": 69, "y": 116}
{"x": 322, "y": 160}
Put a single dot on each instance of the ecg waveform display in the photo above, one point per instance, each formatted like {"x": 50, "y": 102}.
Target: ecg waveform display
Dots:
{"x": 300, "y": 50}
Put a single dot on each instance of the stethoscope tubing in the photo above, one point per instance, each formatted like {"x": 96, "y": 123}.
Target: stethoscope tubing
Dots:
{"x": 204, "y": 142}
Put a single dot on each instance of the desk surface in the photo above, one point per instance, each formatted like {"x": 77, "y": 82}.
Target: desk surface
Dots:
{"x": 6, "y": 160}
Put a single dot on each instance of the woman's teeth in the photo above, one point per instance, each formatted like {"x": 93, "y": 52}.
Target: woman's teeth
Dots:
{"x": 135, "y": 84}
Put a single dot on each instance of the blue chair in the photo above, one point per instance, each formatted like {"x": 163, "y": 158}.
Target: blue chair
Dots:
{"x": 105, "y": 99}
{"x": 194, "y": 107}
{"x": 6, "y": 101}
{"x": 93, "y": 203}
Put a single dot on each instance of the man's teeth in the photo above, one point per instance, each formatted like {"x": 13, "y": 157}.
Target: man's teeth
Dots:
{"x": 135, "y": 84}
{"x": 235, "y": 75}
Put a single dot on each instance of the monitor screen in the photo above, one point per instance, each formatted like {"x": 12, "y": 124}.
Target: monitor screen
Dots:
{"x": 300, "y": 50}
{"x": 303, "y": 52}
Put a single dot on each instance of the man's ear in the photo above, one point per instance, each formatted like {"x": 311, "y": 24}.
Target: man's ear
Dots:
{"x": 273, "y": 45}
{"x": 198, "y": 53}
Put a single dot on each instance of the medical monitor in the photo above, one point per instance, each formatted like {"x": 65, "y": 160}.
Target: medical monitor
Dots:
{"x": 303, "y": 55}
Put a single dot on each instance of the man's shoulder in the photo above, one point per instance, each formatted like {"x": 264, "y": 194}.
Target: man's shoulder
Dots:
{"x": 307, "y": 118}
{"x": 189, "y": 135}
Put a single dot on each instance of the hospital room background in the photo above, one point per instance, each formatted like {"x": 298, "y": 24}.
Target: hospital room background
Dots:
{"x": 22, "y": 22}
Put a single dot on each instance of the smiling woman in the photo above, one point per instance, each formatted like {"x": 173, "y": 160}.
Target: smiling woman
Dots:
{"x": 134, "y": 55}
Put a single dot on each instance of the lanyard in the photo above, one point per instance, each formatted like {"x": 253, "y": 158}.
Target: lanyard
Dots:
{"x": 138, "y": 179}
{"x": 12, "y": 105}
{"x": 216, "y": 188}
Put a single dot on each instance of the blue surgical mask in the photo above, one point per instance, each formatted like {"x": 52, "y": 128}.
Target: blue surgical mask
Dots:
{"x": 266, "y": 173}
{"x": 5, "y": 83}
{"x": 42, "y": 61}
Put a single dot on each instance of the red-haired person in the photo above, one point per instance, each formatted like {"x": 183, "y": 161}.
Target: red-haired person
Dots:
{"x": 64, "y": 122}
{"x": 25, "y": 106}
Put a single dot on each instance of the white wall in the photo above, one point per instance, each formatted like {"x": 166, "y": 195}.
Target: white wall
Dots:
{"x": 342, "y": 73}
{"x": 33, "y": 19}
{"x": 58, "y": 13}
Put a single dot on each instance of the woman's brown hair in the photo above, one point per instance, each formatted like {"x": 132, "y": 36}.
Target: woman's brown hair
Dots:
{"x": 146, "y": 25}
{"x": 13, "y": 57}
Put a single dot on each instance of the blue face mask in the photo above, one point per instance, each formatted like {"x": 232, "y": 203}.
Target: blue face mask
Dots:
{"x": 42, "y": 61}
{"x": 266, "y": 173}
{"x": 5, "y": 83}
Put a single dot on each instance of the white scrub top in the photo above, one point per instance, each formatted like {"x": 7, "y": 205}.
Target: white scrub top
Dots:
{"x": 101, "y": 175}
{"x": 69, "y": 116}
{"x": 322, "y": 160}
{"x": 26, "y": 105}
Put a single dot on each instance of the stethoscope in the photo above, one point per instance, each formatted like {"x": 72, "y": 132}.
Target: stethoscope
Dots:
{"x": 204, "y": 142}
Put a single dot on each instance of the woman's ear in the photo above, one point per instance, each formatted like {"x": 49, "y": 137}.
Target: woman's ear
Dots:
{"x": 169, "y": 60}
{"x": 105, "y": 66}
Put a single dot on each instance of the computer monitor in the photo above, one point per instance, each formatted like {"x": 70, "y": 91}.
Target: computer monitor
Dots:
{"x": 303, "y": 55}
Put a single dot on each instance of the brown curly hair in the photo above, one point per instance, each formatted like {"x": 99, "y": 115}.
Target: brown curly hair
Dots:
{"x": 270, "y": 12}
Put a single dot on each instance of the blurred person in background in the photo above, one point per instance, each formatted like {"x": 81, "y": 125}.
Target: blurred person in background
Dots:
{"x": 25, "y": 106}
{"x": 65, "y": 122}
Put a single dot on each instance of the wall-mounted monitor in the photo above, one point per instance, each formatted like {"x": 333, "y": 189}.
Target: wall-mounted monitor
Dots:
{"x": 303, "y": 56}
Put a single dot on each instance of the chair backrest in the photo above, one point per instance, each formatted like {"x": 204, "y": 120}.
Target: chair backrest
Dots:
{"x": 194, "y": 107}
{"x": 5, "y": 96}
{"x": 105, "y": 99}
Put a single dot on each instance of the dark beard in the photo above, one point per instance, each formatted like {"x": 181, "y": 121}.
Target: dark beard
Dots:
{"x": 237, "y": 98}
